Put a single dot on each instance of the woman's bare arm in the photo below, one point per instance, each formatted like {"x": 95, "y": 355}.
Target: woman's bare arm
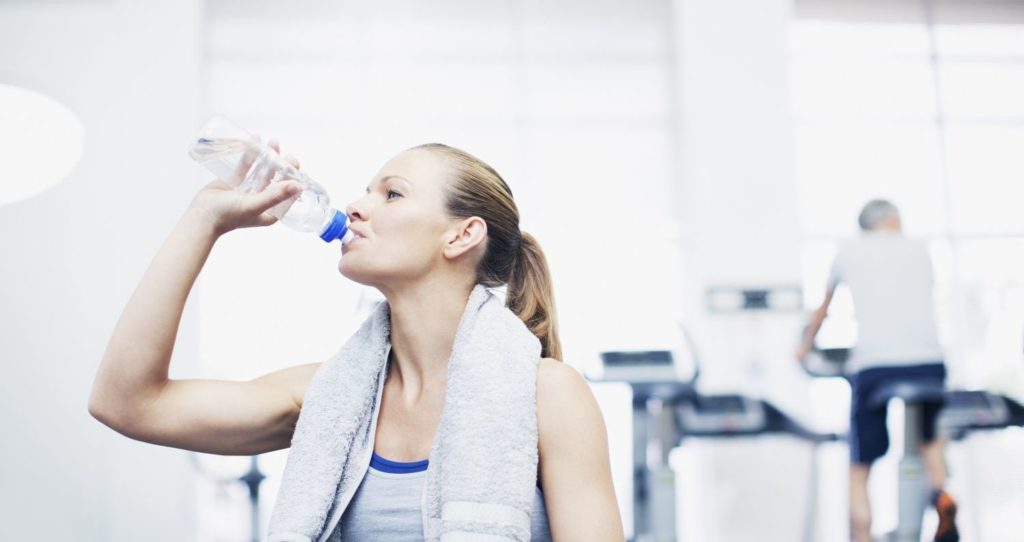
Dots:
{"x": 574, "y": 467}
{"x": 132, "y": 393}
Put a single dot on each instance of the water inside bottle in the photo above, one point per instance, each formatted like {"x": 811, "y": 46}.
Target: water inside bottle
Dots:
{"x": 310, "y": 211}
{"x": 222, "y": 156}
{"x": 207, "y": 149}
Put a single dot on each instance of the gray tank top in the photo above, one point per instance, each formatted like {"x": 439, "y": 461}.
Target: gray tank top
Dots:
{"x": 386, "y": 506}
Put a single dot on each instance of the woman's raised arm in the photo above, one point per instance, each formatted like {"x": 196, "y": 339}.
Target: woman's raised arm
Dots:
{"x": 132, "y": 393}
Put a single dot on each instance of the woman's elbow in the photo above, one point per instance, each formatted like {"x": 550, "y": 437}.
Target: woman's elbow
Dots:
{"x": 103, "y": 412}
{"x": 111, "y": 412}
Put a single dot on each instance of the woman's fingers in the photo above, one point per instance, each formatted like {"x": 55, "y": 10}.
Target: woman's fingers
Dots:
{"x": 244, "y": 164}
{"x": 262, "y": 171}
{"x": 266, "y": 219}
{"x": 276, "y": 194}
{"x": 276, "y": 145}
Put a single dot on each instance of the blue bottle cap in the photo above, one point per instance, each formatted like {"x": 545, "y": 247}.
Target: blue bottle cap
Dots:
{"x": 337, "y": 228}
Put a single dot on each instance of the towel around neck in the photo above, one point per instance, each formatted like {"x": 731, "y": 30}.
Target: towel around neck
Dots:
{"x": 483, "y": 463}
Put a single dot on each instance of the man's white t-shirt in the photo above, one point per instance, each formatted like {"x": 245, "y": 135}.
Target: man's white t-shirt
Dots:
{"x": 891, "y": 280}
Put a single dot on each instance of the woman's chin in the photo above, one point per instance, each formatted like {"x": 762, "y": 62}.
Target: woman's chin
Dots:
{"x": 348, "y": 271}
{"x": 344, "y": 269}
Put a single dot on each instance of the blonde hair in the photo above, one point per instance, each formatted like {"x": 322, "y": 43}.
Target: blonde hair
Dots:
{"x": 512, "y": 257}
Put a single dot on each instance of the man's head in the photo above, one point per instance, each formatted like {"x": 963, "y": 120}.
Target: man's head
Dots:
{"x": 879, "y": 214}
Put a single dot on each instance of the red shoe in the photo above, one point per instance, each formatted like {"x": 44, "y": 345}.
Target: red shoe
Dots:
{"x": 946, "y": 507}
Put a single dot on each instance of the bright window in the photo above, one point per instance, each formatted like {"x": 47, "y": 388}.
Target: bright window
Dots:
{"x": 877, "y": 118}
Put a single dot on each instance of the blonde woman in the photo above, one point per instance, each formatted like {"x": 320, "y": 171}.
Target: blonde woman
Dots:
{"x": 435, "y": 226}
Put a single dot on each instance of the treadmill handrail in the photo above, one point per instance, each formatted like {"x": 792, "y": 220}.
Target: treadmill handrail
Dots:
{"x": 911, "y": 391}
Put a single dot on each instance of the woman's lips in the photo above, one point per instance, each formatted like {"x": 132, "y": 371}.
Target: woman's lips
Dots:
{"x": 355, "y": 237}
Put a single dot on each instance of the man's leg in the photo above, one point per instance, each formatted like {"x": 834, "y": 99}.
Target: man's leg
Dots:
{"x": 860, "y": 507}
{"x": 934, "y": 459}
{"x": 934, "y": 462}
{"x": 869, "y": 440}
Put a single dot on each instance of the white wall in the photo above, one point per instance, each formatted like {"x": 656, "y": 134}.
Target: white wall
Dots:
{"x": 738, "y": 191}
{"x": 70, "y": 258}
{"x": 739, "y": 226}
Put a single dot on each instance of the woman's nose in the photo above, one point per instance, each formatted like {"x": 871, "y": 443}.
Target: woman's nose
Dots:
{"x": 355, "y": 211}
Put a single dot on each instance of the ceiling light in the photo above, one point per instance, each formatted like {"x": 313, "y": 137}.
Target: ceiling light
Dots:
{"x": 40, "y": 143}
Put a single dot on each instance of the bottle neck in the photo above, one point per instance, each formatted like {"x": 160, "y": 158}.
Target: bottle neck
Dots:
{"x": 337, "y": 228}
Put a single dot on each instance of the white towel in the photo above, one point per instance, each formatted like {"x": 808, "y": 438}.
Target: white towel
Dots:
{"x": 483, "y": 464}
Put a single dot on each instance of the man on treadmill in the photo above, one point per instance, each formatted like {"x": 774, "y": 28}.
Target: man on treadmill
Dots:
{"x": 891, "y": 280}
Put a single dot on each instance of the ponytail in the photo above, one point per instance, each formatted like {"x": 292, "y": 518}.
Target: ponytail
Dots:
{"x": 512, "y": 258}
{"x": 531, "y": 298}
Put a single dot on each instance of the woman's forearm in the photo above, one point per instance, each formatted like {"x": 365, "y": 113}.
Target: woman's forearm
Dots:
{"x": 135, "y": 364}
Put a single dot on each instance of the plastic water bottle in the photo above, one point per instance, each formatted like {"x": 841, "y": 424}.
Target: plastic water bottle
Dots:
{"x": 232, "y": 154}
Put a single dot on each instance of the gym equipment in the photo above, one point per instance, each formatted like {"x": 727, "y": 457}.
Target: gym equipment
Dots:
{"x": 827, "y": 362}
{"x": 912, "y": 496}
{"x": 963, "y": 413}
{"x": 737, "y": 416}
{"x": 652, "y": 377}
{"x": 667, "y": 411}
{"x": 967, "y": 412}
{"x": 252, "y": 480}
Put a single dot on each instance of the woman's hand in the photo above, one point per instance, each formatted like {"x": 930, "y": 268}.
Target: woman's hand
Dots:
{"x": 226, "y": 209}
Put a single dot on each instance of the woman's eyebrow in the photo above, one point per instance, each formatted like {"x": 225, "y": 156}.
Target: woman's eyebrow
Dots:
{"x": 389, "y": 177}
{"x": 403, "y": 179}
{"x": 383, "y": 179}
{"x": 394, "y": 177}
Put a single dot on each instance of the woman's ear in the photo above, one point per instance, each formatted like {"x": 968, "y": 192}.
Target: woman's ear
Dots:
{"x": 464, "y": 236}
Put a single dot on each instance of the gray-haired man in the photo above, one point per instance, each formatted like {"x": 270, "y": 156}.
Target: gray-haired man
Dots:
{"x": 891, "y": 280}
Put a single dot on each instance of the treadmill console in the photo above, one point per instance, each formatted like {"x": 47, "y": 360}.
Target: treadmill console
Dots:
{"x": 639, "y": 366}
{"x": 721, "y": 414}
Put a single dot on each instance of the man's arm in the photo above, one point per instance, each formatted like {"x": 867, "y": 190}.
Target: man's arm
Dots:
{"x": 817, "y": 317}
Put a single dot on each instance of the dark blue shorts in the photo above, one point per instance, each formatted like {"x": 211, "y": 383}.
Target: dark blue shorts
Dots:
{"x": 869, "y": 438}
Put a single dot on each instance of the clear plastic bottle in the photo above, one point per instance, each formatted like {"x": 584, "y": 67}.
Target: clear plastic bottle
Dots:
{"x": 232, "y": 154}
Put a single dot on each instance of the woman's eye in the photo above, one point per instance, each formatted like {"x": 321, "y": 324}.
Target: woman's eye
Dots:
{"x": 393, "y": 193}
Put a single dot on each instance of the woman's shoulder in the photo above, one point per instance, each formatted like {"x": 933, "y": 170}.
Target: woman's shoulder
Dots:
{"x": 563, "y": 398}
{"x": 551, "y": 372}
{"x": 570, "y": 428}
{"x": 293, "y": 380}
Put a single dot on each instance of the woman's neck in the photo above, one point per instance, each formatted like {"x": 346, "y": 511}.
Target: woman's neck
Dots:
{"x": 424, "y": 320}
